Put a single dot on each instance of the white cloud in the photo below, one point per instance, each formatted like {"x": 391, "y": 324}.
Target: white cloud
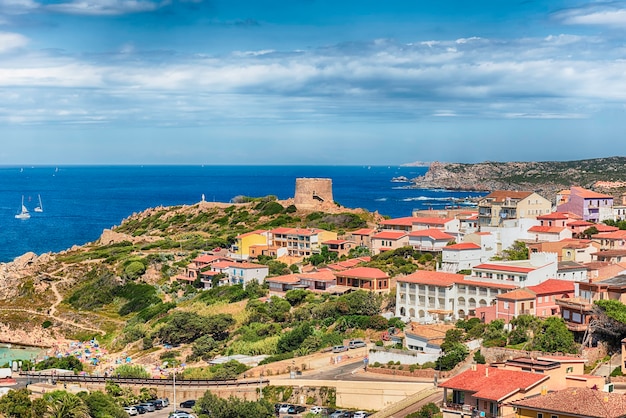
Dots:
{"x": 10, "y": 41}
{"x": 105, "y": 7}
{"x": 594, "y": 15}
{"x": 11, "y": 7}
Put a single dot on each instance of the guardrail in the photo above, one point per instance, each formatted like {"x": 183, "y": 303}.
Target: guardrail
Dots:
{"x": 142, "y": 381}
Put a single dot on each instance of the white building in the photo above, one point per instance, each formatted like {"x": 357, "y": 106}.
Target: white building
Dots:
{"x": 462, "y": 256}
{"x": 540, "y": 267}
{"x": 429, "y": 239}
{"x": 429, "y": 296}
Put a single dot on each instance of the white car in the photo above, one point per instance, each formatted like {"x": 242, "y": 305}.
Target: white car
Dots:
{"x": 317, "y": 410}
{"x": 131, "y": 411}
{"x": 360, "y": 414}
{"x": 181, "y": 414}
{"x": 284, "y": 408}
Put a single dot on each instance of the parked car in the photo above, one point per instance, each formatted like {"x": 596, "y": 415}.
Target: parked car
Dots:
{"x": 157, "y": 404}
{"x": 148, "y": 406}
{"x": 360, "y": 414}
{"x": 318, "y": 410}
{"x": 339, "y": 348}
{"x": 337, "y": 414}
{"x": 165, "y": 401}
{"x": 190, "y": 403}
{"x": 296, "y": 409}
{"x": 131, "y": 410}
{"x": 181, "y": 414}
{"x": 284, "y": 408}
{"x": 141, "y": 409}
{"x": 357, "y": 344}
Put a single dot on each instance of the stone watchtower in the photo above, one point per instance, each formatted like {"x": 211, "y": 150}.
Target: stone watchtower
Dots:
{"x": 313, "y": 194}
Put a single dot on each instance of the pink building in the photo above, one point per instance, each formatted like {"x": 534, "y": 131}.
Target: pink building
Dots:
{"x": 589, "y": 205}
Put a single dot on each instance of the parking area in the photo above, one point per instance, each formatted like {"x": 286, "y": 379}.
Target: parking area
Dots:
{"x": 164, "y": 413}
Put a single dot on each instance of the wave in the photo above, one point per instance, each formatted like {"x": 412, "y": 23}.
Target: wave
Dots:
{"x": 381, "y": 199}
{"x": 428, "y": 198}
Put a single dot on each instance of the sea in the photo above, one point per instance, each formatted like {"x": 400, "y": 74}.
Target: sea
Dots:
{"x": 80, "y": 201}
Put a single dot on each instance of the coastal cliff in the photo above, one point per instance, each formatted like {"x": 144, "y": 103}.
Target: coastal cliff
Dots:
{"x": 546, "y": 178}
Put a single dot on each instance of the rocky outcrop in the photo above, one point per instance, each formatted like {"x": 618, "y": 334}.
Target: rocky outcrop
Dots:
{"x": 545, "y": 178}
{"x": 12, "y": 274}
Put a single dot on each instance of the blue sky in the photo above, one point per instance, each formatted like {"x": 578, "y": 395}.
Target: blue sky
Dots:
{"x": 310, "y": 81}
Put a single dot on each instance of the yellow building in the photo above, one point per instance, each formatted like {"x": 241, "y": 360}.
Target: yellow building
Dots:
{"x": 501, "y": 205}
{"x": 240, "y": 250}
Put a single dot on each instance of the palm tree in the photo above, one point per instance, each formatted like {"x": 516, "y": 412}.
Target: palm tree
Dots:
{"x": 66, "y": 405}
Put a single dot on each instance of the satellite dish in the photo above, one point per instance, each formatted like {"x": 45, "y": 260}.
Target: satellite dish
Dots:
{"x": 503, "y": 214}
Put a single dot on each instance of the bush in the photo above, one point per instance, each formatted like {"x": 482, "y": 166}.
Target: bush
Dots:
{"x": 131, "y": 370}
{"x": 46, "y": 324}
{"x": 479, "y": 358}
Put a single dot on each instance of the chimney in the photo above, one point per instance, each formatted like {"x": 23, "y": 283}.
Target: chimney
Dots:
{"x": 606, "y": 399}
{"x": 473, "y": 367}
{"x": 487, "y": 371}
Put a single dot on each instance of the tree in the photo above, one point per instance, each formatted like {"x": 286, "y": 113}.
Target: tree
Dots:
{"x": 102, "y": 405}
{"x": 362, "y": 303}
{"x": 212, "y": 406}
{"x": 17, "y": 404}
{"x": 517, "y": 251}
{"x": 291, "y": 340}
{"x": 131, "y": 370}
{"x": 554, "y": 337}
{"x": 67, "y": 363}
{"x": 204, "y": 347}
{"x": 296, "y": 296}
{"x": 62, "y": 404}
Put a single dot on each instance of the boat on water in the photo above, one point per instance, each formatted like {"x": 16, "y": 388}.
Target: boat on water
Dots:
{"x": 40, "y": 207}
{"x": 24, "y": 214}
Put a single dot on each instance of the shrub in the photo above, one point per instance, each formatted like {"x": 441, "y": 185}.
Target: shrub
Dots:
{"x": 46, "y": 324}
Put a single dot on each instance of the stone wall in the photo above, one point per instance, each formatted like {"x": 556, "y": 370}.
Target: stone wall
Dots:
{"x": 313, "y": 193}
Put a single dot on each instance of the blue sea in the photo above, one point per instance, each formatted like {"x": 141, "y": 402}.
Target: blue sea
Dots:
{"x": 80, "y": 201}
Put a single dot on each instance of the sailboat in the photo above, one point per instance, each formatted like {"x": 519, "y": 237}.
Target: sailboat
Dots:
{"x": 24, "y": 213}
{"x": 40, "y": 207}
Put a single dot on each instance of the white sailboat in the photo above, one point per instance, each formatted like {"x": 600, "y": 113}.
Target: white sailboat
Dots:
{"x": 24, "y": 213}
{"x": 40, "y": 207}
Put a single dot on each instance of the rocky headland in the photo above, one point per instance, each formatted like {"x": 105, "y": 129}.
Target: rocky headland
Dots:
{"x": 546, "y": 178}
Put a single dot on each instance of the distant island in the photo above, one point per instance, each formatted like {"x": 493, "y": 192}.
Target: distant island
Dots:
{"x": 547, "y": 177}
{"x": 416, "y": 164}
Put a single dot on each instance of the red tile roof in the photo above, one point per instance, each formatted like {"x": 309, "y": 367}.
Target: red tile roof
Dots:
{"x": 504, "y": 267}
{"x": 582, "y": 402}
{"x": 393, "y": 235}
{"x": 248, "y": 266}
{"x": 552, "y": 286}
{"x": 605, "y": 228}
{"x": 335, "y": 241}
{"x": 369, "y": 273}
{"x": 462, "y": 246}
{"x": 493, "y": 384}
{"x": 286, "y": 279}
{"x": 349, "y": 263}
{"x": 435, "y": 234}
{"x": 206, "y": 258}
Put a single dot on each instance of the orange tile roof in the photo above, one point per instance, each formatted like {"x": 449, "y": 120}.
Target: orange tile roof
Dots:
{"x": 518, "y": 294}
{"x": 547, "y": 229}
{"x": 493, "y": 384}
{"x": 206, "y": 258}
{"x": 349, "y": 263}
{"x": 435, "y": 234}
{"x": 369, "y": 273}
{"x": 589, "y": 194}
{"x": 432, "y": 221}
{"x": 363, "y": 231}
{"x": 580, "y": 223}
{"x": 336, "y": 241}
{"x": 577, "y": 401}
{"x": 556, "y": 216}
{"x": 222, "y": 264}
{"x": 462, "y": 246}
{"x": 496, "y": 284}
{"x": 248, "y": 265}
{"x": 440, "y": 278}
{"x": 406, "y": 221}
{"x": 435, "y": 278}
{"x": 286, "y": 279}
{"x": 552, "y": 286}
{"x": 393, "y": 235}
{"x": 617, "y": 235}
{"x": 503, "y": 267}
{"x": 502, "y": 195}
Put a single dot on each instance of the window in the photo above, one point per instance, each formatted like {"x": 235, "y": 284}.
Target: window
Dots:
{"x": 506, "y": 305}
{"x": 569, "y": 369}
{"x": 565, "y": 314}
{"x": 539, "y": 415}
{"x": 554, "y": 416}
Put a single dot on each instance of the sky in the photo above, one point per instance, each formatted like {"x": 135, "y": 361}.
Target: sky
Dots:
{"x": 310, "y": 81}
